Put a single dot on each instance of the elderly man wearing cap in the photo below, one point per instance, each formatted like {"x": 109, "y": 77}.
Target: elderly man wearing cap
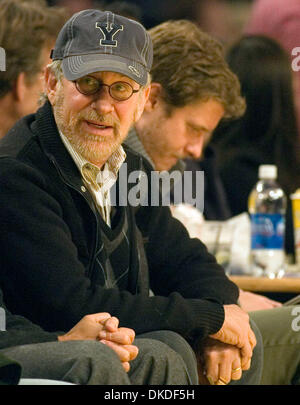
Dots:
{"x": 69, "y": 248}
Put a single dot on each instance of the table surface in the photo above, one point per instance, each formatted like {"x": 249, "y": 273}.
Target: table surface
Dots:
{"x": 285, "y": 284}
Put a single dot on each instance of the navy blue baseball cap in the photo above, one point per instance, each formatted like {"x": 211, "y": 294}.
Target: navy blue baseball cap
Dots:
{"x": 94, "y": 41}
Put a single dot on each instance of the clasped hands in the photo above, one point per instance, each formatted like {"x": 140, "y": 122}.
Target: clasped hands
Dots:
{"x": 104, "y": 328}
{"x": 228, "y": 352}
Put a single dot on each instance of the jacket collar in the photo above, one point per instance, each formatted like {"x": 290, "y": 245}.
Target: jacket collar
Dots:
{"x": 45, "y": 128}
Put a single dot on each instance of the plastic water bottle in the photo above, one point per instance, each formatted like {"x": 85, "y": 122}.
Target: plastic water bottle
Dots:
{"x": 267, "y": 207}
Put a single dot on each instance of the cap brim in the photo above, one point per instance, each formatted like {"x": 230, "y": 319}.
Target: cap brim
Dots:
{"x": 77, "y": 66}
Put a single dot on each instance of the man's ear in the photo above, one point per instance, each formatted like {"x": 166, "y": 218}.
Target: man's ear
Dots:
{"x": 50, "y": 84}
{"x": 20, "y": 88}
{"x": 155, "y": 94}
{"x": 143, "y": 98}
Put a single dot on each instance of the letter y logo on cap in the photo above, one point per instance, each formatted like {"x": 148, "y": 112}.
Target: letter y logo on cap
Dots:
{"x": 108, "y": 39}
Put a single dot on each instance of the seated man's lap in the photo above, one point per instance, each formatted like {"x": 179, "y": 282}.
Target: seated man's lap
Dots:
{"x": 178, "y": 344}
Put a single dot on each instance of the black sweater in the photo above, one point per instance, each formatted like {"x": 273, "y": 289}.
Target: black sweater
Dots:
{"x": 50, "y": 231}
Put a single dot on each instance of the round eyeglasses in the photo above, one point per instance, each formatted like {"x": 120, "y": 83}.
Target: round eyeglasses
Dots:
{"x": 89, "y": 85}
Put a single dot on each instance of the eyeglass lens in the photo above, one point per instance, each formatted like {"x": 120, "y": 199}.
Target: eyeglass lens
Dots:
{"x": 89, "y": 85}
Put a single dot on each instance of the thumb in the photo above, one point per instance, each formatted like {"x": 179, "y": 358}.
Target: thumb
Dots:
{"x": 111, "y": 325}
{"x": 100, "y": 317}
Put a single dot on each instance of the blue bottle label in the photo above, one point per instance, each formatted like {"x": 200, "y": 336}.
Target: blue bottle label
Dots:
{"x": 267, "y": 231}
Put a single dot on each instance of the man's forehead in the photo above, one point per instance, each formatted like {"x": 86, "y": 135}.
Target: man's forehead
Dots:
{"x": 201, "y": 115}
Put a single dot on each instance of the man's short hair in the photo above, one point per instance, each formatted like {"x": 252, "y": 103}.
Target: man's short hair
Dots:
{"x": 25, "y": 28}
{"x": 190, "y": 66}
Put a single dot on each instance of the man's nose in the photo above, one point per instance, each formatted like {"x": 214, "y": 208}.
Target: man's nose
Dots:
{"x": 194, "y": 149}
{"x": 103, "y": 103}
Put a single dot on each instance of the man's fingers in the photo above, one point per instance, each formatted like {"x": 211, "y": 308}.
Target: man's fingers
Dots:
{"x": 129, "y": 332}
{"x": 237, "y": 374}
{"x": 246, "y": 354}
{"x": 252, "y": 338}
{"x": 111, "y": 324}
{"x": 236, "y": 370}
{"x": 225, "y": 372}
{"x": 132, "y": 350}
{"x": 245, "y": 365}
{"x": 116, "y": 337}
{"x": 126, "y": 366}
{"x": 222, "y": 363}
{"x": 123, "y": 336}
{"x": 124, "y": 355}
{"x": 212, "y": 377}
{"x": 100, "y": 317}
{"x": 211, "y": 369}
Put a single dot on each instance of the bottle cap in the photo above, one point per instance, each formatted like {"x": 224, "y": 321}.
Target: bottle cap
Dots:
{"x": 295, "y": 195}
{"x": 267, "y": 172}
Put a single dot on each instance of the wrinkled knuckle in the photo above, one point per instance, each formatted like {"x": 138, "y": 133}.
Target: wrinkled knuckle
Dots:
{"x": 211, "y": 355}
{"x": 226, "y": 355}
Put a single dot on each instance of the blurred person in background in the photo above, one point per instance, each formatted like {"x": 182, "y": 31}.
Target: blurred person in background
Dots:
{"x": 72, "y": 6}
{"x": 267, "y": 132}
{"x": 28, "y": 29}
{"x": 223, "y": 19}
{"x": 280, "y": 20}
{"x": 124, "y": 8}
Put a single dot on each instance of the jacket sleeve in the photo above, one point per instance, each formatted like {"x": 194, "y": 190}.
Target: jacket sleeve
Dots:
{"x": 176, "y": 261}
{"x": 183, "y": 264}
{"x": 18, "y": 330}
{"x": 10, "y": 371}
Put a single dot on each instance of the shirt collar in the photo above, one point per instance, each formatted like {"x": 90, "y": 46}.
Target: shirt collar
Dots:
{"x": 112, "y": 165}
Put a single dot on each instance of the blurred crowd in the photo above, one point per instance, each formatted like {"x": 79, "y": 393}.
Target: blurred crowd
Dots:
{"x": 222, "y": 18}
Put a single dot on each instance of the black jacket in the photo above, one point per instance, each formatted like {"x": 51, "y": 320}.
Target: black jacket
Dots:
{"x": 50, "y": 230}
{"x": 20, "y": 331}
{"x": 10, "y": 371}
{"x": 15, "y": 331}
